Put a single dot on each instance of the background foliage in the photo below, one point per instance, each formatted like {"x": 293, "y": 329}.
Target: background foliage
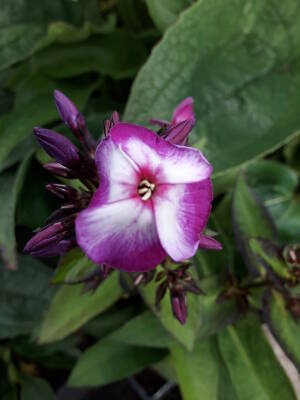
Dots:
{"x": 240, "y": 60}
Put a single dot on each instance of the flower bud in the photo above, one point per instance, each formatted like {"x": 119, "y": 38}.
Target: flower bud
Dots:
{"x": 184, "y": 111}
{"x": 45, "y": 238}
{"x": 178, "y": 303}
{"x": 109, "y": 123}
{"x": 58, "y": 147}
{"x": 73, "y": 119}
{"x": 63, "y": 191}
{"x": 178, "y": 134}
{"x": 60, "y": 170}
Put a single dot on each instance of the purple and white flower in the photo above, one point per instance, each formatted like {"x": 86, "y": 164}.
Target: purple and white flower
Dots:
{"x": 154, "y": 200}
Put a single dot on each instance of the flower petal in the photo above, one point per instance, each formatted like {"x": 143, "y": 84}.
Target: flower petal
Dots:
{"x": 168, "y": 163}
{"x": 121, "y": 234}
{"x": 118, "y": 174}
{"x": 181, "y": 213}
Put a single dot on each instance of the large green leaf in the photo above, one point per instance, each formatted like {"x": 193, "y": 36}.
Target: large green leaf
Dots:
{"x": 241, "y": 63}
{"x": 276, "y": 186}
{"x": 24, "y": 296}
{"x": 201, "y": 373}
{"x": 71, "y": 308}
{"x": 109, "y": 361}
{"x": 254, "y": 370}
{"x": 283, "y": 326}
{"x": 11, "y": 183}
{"x": 250, "y": 219}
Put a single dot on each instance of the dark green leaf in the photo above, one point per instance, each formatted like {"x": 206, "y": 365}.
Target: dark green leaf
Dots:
{"x": 271, "y": 257}
{"x": 29, "y": 24}
{"x": 253, "y": 368}
{"x": 275, "y": 185}
{"x": 118, "y": 55}
{"x": 71, "y": 308}
{"x": 109, "y": 361}
{"x": 110, "y": 321}
{"x": 283, "y": 326}
{"x": 35, "y": 106}
{"x": 144, "y": 330}
{"x": 250, "y": 219}
{"x": 292, "y": 153}
{"x": 36, "y": 389}
{"x": 24, "y": 295}
{"x": 11, "y": 183}
{"x": 165, "y": 13}
{"x": 241, "y": 63}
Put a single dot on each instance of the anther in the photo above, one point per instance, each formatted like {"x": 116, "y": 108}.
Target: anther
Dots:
{"x": 145, "y": 189}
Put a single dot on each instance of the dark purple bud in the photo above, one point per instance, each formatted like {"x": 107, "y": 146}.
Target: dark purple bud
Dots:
{"x": 62, "y": 213}
{"x": 45, "y": 238}
{"x": 160, "y": 293}
{"x": 191, "y": 286}
{"x": 109, "y": 123}
{"x": 58, "y": 147}
{"x": 73, "y": 119}
{"x": 55, "y": 249}
{"x": 60, "y": 170}
{"x": 178, "y": 134}
{"x": 178, "y": 303}
{"x": 63, "y": 191}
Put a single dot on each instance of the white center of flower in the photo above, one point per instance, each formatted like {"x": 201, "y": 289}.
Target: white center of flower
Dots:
{"x": 145, "y": 189}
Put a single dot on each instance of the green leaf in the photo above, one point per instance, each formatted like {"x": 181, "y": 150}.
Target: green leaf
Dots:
{"x": 24, "y": 30}
{"x": 229, "y": 56}
{"x": 35, "y": 197}
{"x": 70, "y": 308}
{"x": 276, "y": 185}
{"x": 110, "y": 321}
{"x": 11, "y": 183}
{"x": 35, "y": 106}
{"x": 253, "y": 368}
{"x": 292, "y": 153}
{"x": 201, "y": 373}
{"x": 36, "y": 389}
{"x": 165, "y": 13}
{"x": 73, "y": 266}
{"x": 269, "y": 253}
{"x": 24, "y": 296}
{"x": 62, "y": 353}
{"x": 283, "y": 326}
{"x": 118, "y": 54}
{"x": 144, "y": 330}
{"x": 109, "y": 361}
{"x": 250, "y": 219}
